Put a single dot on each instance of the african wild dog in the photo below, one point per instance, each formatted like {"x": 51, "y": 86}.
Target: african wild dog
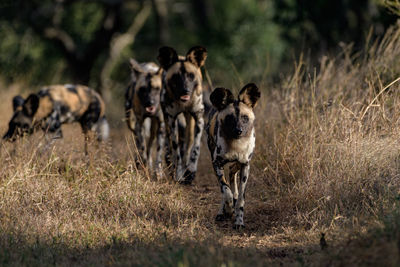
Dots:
{"x": 143, "y": 104}
{"x": 55, "y": 105}
{"x": 182, "y": 94}
{"x": 231, "y": 139}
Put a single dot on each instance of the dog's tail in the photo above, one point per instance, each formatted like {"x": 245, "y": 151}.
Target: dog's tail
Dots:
{"x": 102, "y": 129}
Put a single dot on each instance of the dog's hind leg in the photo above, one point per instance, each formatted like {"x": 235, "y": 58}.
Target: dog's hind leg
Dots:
{"x": 226, "y": 209}
{"x": 239, "y": 207}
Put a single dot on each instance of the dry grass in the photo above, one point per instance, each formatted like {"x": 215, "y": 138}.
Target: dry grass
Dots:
{"x": 327, "y": 161}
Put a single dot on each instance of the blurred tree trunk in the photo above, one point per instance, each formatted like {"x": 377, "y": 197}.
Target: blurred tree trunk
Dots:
{"x": 161, "y": 10}
{"x": 118, "y": 43}
{"x": 202, "y": 10}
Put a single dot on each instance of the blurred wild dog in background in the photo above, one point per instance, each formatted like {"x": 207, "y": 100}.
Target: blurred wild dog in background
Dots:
{"x": 57, "y": 104}
{"x": 143, "y": 111}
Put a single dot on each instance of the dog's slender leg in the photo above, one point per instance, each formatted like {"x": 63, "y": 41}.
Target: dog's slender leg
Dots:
{"x": 188, "y": 138}
{"x": 167, "y": 144}
{"x": 233, "y": 170}
{"x": 239, "y": 208}
{"x": 175, "y": 157}
{"x": 149, "y": 146}
{"x": 182, "y": 126}
{"x": 195, "y": 151}
{"x": 86, "y": 143}
{"x": 160, "y": 145}
{"x": 226, "y": 208}
{"x": 140, "y": 143}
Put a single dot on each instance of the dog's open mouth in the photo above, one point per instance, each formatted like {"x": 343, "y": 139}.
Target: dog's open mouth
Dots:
{"x": 185, "y": 98}
{"x": 151, "y": 109}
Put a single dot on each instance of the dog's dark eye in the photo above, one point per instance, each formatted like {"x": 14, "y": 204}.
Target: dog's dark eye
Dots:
{"x": 245, "y": 118}
{"x": 190, "y": 76}
{"x": 230, "y": 120}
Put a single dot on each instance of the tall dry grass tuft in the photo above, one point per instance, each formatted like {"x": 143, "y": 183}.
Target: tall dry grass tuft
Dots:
{"x": 329, "y": 154}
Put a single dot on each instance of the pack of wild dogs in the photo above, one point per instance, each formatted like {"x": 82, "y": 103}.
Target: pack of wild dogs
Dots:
{"x": 163, "y": 103}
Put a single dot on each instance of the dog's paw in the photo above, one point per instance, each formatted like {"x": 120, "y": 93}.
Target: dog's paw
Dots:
{"x": 221, "y": 217}
{"x": 238, "y": 226}
{"x": 188, "y": 178}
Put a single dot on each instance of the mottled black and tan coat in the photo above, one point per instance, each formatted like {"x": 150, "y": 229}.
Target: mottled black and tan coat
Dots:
{"x": 182, "y": 104}
{"x": 231, "y": 139}
{"x": 143, "y": 111}
{"x": 55, "y": 105}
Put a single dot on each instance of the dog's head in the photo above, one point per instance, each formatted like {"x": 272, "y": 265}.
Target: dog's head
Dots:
{"x": 183, "y": 74}
{"x": 21, "y": 121}
{"x": 147, "y": 79}
{"x": 236, "y": 116}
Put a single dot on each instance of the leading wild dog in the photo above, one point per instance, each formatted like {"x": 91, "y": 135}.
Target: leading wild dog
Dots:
{"x": 143, "y": 103}
{"x": 55, "y": 105}
{"x": 182, "y": 94}
{"x": 231, "y": 139}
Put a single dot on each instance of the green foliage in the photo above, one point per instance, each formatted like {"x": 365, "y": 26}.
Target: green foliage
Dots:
{"x": 82, "y": 20}
{"x": 246, "y": 39}
{"x": 23, "y": 56}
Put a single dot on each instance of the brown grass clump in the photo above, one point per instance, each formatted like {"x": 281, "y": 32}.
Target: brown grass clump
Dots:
{"x": 327, "y": 160}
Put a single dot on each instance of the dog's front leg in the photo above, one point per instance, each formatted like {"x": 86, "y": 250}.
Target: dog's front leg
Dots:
{"x": 239, "y": 207}
{"x": 149, "y": 145}
{"x": 160, "y": 146}
{"x": 140, "y": 145}
{"x": 190, "y": 173}
{"x": 233, "y": 170}
{"x": 175, "y": 157}
{"x": 226, "y": 208}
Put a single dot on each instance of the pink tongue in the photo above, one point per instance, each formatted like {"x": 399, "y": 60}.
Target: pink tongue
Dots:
{"x": 150, "y": 109}
{"x": 185, "y": 97}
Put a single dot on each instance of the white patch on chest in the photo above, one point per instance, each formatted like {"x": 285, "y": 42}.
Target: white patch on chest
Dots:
{"x": 239, "y": 150}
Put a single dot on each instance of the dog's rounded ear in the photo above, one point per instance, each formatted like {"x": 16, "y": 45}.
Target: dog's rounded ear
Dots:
{"x": 197, "y": 55}
{"x": 167, "y": 56}
{"x": 221, "y": 97}
{"x": 250, "y": 95}
{"x": 18, "y": 101}
{"x": 135, "y": 68}
{"x": 31, "y": 105}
